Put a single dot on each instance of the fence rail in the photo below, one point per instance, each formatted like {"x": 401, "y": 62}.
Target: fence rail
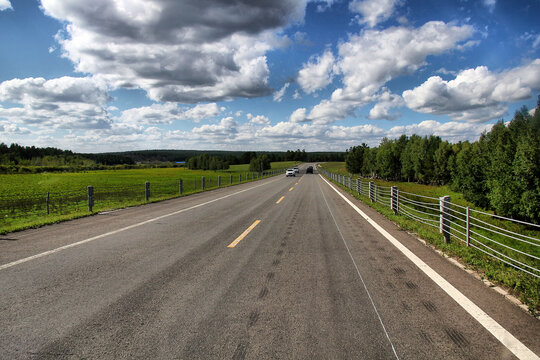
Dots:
{"x": 18, "y": 207}
{"x": 487, "y": 233}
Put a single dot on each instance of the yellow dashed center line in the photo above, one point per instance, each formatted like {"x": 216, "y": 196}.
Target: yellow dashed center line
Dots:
{"x": 281, "y": 198}
{"x": 244, "y": 234}
{"x": 291, "y": 188}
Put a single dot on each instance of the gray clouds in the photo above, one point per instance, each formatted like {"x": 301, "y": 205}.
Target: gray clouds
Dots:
{"x": 188, "y": 51}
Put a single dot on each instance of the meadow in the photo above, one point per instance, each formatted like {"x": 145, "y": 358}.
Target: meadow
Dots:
{"x": 31, "y": 200}
{"x": 523, "y": 285}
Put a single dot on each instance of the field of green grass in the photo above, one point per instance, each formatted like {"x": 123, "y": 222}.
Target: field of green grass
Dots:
{"x": 275, "y": 166}
{"x": 523, "y": 285}
{"x": 25, "y": 199}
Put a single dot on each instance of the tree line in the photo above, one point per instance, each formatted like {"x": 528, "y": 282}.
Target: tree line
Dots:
{"x": 15, "y": 154}
{"x": 500, "y": 171}
{"x": 207, "y": 162}
{"x": 259, "y": 161}
{"x": 232, "y": 157}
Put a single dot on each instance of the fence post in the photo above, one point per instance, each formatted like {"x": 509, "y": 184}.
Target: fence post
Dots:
{"x": 468, "y": 226}
{"x": 397, "y": 200}
{"x": 358, "y": 186}
{"x": 147, "y": 190}
{"x": 219, "y": 181}
{"x": 371, "y": 191}
{"x": 394, "y": 199}
{"x": 350, "y": 186}
{"x": 444, "y": 228}
{"x": 247, "y": 176}
{"x": 90, "y": 198}
{"x": 202, "y": 183}
{"x": 230, "y": 179}
{"x": 180, "y": 186}
{"x": 375, "y": 193}
{"x": 47, "y": 203}
{"x": 239, "y": 178}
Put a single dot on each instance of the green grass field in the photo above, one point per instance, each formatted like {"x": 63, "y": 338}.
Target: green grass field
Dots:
{"x": 23, "y": 197}
{"x": 525, "y": 286}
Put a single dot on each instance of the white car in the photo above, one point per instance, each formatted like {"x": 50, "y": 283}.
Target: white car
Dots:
{"x": 290, "y": 172}
{"x": 296, "y": 170}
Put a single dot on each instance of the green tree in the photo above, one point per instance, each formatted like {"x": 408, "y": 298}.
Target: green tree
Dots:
{"x": 369, "y": 165}
{"x": 469, "y": 176}
{"x": 502, "y": 187}
{"x": 410, "y": 158}
{"x": 526, "y": 167}
{"x": 442, "y": 163}
{"x": 388, "y": 160}
{"x": 354, "y": 158}
{"x": 260, "y": 163}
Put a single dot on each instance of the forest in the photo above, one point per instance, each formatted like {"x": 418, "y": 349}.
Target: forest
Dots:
{"x": 25, "y": 159}
{"x": 500, "y": 171}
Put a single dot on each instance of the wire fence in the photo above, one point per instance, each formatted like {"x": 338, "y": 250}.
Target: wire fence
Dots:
{"x": 21, "y": 208}
{"x": 513, "y": 242}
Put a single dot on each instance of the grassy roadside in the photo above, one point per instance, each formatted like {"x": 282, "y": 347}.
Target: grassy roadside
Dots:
{"x": 520, "y": 284}
{"x": 23, "y": 202}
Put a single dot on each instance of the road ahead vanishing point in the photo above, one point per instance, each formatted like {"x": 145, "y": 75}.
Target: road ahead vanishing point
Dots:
{"x": 282, "y": 268}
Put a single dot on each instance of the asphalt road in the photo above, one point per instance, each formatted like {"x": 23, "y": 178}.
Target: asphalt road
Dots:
{"x": 311, "y": 280}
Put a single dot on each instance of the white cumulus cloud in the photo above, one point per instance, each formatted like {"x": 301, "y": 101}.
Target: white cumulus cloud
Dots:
{"x": 5, "y": 4}
{"x": 66, "y": 102}
{"x": 383, "y": 109}
{"x": 373, "y": 12}
{"x": 258, "y": 120}
{"x": 227, "y": 128}
{"x": 369, "y": 60}
{"x": 475, "y": 95}
{"x": 298, "y": 115}
{"x": 317, "y": 73}
{"x": 168, "y": 113}
{"x": 188, "y": 51}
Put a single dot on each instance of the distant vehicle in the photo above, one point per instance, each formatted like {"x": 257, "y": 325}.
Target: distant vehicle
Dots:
{"x": 296, "y": 170}
{"x": 309, "y": 170}
{"x": 290, "y": 172}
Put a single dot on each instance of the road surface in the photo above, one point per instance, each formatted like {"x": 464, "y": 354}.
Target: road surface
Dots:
{"x": 282, "y": 268}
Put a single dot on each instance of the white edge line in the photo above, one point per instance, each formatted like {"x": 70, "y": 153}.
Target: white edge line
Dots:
{"x": 500, "y": 333}
{"x": 26, "y": 259}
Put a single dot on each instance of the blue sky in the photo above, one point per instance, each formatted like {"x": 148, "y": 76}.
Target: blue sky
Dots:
{"x": 116, "y": 75}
